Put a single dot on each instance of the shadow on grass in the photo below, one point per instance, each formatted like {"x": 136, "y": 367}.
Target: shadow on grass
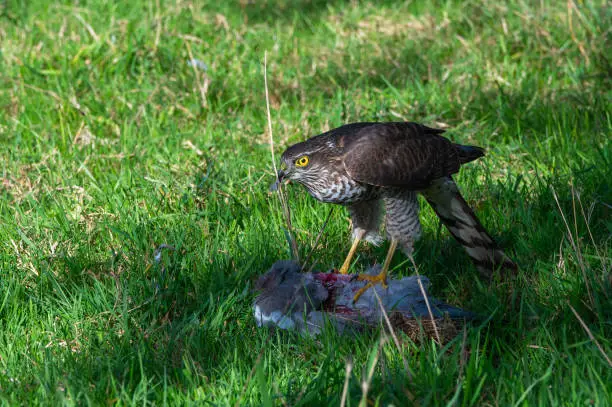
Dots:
{"x": 168, "y": 324}
{"x": 165, "y": 324}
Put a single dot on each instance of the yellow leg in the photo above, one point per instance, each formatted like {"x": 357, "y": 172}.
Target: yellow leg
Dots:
{"x": 381, "y": 277}
{"x": 351, "y": 253}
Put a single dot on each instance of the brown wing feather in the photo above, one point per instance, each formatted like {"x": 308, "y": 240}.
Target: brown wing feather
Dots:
{"x": 399, "y": 154}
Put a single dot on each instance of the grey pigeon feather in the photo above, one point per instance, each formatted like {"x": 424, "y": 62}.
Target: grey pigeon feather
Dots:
{"x": 290, "y": 299}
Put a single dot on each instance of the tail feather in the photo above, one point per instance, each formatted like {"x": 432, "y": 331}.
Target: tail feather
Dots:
{"x": 462, "y": 223}
{"x": 468, "y": 153}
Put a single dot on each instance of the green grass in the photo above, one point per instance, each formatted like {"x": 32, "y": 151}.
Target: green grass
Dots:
{"x": 112, "y": 144}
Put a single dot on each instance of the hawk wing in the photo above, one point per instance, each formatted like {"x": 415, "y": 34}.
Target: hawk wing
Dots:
{"x": 406, "y": 155}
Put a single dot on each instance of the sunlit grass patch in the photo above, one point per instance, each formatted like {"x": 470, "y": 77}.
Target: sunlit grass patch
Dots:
{"x": 127, "y": 126}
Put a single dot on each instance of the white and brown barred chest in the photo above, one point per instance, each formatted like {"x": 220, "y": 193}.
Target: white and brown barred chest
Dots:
{"x": 338, "y": 188}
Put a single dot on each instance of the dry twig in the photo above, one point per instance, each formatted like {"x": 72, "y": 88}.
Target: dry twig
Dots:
{"x": 588, "y": 331}
{"x": 281, "y": 197}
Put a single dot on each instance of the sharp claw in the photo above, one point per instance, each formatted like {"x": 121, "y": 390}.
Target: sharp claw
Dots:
{"x": 372, "y": 281}
{"x": 361, "y": 291}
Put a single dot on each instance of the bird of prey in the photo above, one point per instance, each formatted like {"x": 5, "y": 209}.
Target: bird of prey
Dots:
{"x": 365, "y": 166}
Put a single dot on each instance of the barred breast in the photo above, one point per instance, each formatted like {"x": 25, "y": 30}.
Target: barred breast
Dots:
{"x": 339, "y": 189}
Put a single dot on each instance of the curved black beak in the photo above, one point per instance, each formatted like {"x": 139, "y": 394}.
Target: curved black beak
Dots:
{"x": 279, "y": 178}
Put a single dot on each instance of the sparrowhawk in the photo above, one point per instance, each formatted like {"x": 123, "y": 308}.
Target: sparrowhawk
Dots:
{"x": 364, "y": 166}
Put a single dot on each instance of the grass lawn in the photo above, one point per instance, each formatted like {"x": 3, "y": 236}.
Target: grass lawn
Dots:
{"x": 112, "y": 143}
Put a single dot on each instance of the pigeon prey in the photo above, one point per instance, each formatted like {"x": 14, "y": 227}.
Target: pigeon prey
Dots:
{"x": 289, "y": 299}
{"x": 287, "y": 295}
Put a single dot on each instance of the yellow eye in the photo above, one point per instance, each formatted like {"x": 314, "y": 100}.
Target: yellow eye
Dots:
{"x": 302, "y": 161}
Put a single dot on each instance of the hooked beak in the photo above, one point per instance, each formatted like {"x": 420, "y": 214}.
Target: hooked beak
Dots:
{"x": 280, "y": 177}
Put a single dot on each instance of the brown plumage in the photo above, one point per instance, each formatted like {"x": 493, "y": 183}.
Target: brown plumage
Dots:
{"x": 361, "y": 164}
{"x": 407, "y": 155}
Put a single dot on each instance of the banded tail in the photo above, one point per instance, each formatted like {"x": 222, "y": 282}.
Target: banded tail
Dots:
{"x": 468, "y": 153}
{"x": 446, "y": 200}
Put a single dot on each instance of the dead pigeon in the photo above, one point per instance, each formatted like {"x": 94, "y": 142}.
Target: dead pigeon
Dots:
{"x": 287, "y": 295}
{"x": 289, "y": 299}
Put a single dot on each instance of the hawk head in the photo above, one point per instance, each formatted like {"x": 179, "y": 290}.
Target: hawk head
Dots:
{"x": 305, "y": 163}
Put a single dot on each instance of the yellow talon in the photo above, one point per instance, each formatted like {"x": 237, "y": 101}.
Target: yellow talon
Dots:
{"x": 381, "y": 278}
